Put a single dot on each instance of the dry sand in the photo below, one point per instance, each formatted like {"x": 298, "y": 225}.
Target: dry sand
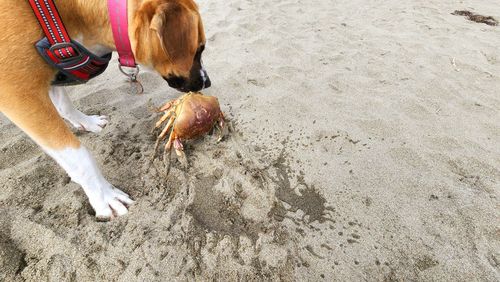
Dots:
{"x": 366, "y": 147}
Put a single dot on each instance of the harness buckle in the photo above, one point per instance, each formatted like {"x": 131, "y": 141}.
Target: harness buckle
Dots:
{"x": 62, "y": 45}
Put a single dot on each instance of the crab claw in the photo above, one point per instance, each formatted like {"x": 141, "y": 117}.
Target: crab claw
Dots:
{"x": 179, "y": 150}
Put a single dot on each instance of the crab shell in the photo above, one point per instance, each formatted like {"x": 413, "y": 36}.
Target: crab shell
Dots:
{"x": 195, "y": 116}
{"x": 190, "y": 116}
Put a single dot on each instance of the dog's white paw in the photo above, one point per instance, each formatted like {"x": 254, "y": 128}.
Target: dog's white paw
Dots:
{"x": 93, "y": 123}
{"x": 110, "y": 203}
{"x": 68, "y": 111}
{"x": 107, "y": 201}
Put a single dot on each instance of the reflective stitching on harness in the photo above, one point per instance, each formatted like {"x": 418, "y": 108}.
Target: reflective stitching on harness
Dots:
{"x": 54, "y": 19}
{"x": 47, "y": 24}
{"x": 79, "y": 65}
{"x": 42, "y": 13}
{"x": 57, "y": 28}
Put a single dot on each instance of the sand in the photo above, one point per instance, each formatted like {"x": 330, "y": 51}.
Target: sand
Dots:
{"x": 365, "y": 148}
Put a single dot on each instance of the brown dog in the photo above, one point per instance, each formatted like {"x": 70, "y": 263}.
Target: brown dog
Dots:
{"x": 166, "y": 35}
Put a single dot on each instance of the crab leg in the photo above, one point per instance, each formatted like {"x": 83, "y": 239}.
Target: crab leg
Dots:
{"x": 168, "y": 146}
{"x": 221, "y": 127}
{"x": 179, "y": 150}
{"x": 172, "y": 103}
{"x": 166, "y": 129}
{"x": 164, "y": 118}
{"x": 164, "y": 132}
{"x": 166, "y": 106}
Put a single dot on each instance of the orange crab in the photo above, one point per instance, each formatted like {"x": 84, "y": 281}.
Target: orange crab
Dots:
{"x": 188, "y": 117}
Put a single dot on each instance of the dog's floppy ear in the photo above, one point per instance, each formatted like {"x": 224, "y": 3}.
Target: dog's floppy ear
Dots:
{"x": 177, "y": 29}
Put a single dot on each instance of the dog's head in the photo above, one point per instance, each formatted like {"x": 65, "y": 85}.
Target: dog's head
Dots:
{"x": 169, "y": 38}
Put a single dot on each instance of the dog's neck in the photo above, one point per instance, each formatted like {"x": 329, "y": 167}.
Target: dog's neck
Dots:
{"x": 87, "y": 21}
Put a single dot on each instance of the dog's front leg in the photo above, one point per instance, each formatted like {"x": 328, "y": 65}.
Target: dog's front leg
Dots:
{"x": 78, "y": 162}
{"x": 68, "y": 111}
{"x": 33, "y": 111}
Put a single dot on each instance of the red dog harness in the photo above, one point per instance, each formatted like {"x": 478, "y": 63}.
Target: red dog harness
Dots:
{"x": 75, "y": 63}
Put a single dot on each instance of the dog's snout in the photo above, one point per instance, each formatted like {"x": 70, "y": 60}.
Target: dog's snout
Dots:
{"x": 197, "y": 81}
{"x": 175, "y": 81}
{"x": 204, "y": 77}
{"x": 207, "y": 83}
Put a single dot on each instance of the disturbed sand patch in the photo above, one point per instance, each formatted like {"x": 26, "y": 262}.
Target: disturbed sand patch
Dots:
{"x": 213, "y": 222}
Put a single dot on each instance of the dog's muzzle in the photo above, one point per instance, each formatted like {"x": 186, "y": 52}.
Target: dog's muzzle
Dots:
{"x": 199, "y": 82}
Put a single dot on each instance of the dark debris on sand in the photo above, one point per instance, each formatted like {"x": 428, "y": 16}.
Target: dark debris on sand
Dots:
{"x": 476, "y": 18}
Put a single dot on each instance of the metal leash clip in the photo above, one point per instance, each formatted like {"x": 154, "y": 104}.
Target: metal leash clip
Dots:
{"x": 132, "y": 73}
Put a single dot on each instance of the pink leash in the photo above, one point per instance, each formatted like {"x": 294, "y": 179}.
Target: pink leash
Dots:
{"x": 118, "y": 17}
{"x": 119, "y": 23}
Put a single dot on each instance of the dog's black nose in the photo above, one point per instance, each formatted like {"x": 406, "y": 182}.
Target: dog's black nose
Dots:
{"x": 175, "y": 81}
{"x": 183, "y": 85}
{"x": 198, "y": 84}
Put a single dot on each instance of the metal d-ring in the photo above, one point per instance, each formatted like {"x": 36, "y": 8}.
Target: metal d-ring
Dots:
{"x": 132, "y": 75}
